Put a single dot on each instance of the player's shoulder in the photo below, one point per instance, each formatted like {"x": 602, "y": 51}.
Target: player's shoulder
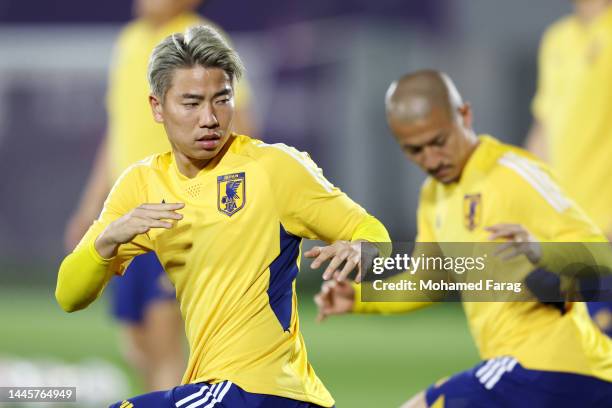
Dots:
{"x": 518, "y": 164}
{"x": 520, "y": 174}
{"x": 280, "y": 160}
{"x": 427, "y": 192}
{"x": 149, "y": 166}
{"x": 558, "y": 31}
{"x": 132, "y": 32}
{"x": 267, "y": 152}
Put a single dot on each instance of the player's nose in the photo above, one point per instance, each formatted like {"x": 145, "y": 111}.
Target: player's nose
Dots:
{"x": 207, "y": 118}
{"x": 431, "y": 160}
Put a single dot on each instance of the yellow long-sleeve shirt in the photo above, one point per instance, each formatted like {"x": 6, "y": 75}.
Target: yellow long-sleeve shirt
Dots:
{"x": 233, "y": 258}
{"x": 512, "y": 187}
{"x": 574, "y": 103}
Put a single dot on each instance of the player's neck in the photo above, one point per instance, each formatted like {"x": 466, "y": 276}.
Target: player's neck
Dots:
{"x": 587, "y": 11}
{"x": 472, "y": 143}
{"x": 187, "y": 166}
{"x": 157, "y": 22}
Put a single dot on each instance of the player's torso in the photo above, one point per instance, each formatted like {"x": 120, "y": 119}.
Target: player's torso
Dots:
{"x": 459, "y": 213}
{"x": 229, "y": 234}
{"x": 234, "y": 266}
{"x": 580, "y": 127}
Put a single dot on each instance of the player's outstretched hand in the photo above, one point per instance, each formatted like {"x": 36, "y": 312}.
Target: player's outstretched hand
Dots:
{"x": 343, "y": 257}
{"x": 335, "y": 298}
{"x": 138, "y": 221}
{"x": 521, "y": 242}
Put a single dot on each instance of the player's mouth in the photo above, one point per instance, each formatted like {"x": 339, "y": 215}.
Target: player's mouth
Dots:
{"x": 441, "y": 172}
{"x": 208, "y": 142}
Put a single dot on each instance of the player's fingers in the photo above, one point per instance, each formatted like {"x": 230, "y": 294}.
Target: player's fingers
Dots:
{"x": 158, "y": 214}
{"x": 500, "y": 226}
{"x": 159, "y": 224}
{"x": 324, "y": 254}
{"x": 334, "y": 264}
{"x": 323, "y": 303}
{"x": 349, "y": 266}
{"x": 162, "y": 206}
{"x": 144, "y": 222}
{"x": 516, "y": 251}
{"x": 313, "y": 252}
{"x": 503, "y": 248}
{"x": 358, "y": 277}
{"x": 502, "y": 233}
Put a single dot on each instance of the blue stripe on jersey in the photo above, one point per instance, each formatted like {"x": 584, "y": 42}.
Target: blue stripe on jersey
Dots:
{"x": 283, "y": 271}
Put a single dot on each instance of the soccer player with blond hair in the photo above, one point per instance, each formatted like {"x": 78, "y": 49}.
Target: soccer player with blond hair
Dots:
{"x": 226, "y": 215}
{"x": 143, "y": 301}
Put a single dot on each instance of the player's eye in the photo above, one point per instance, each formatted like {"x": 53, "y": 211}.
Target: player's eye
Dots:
{"x": 223, "y": 101}
{"x": 440, "y": 141}
{"x": 190, "y": 104}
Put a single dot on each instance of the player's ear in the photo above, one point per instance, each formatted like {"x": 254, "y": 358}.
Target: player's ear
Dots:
{"x": 156, "y": 108}
{"x": 465, "y": 111}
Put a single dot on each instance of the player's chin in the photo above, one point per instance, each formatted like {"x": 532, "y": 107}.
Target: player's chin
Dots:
{"x": 203, "y": 154}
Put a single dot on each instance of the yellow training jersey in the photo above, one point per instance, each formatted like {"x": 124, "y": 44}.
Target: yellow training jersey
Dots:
{"x": 233, "y": 258}
{"x": 508, "y": 186}
{"x": 132, "y": 132}
{"x": 574, "y": 103}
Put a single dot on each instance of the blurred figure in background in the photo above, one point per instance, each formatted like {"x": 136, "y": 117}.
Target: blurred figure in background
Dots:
{"x": 143, "y": 300}
{"x": 572, "y": 112}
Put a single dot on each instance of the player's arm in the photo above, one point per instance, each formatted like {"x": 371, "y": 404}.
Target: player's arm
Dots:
{"x": 111, "y": 242}
{"x": 343, "y": 297}
{"x": 92, "y": 198}
{"x": 546, "y": 226}
{"x": 537, "y": 142}
{"x": 311, "y": 207}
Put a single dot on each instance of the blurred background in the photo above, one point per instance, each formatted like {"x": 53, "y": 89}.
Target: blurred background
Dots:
{"x": 318, "y": 72}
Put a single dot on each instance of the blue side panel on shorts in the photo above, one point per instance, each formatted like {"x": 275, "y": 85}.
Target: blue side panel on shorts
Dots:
{"x": 224, "y": 394}
{"x": 503, "y": 382}
{"x": 283, "y": 271}
{"x": 144, "y": 282}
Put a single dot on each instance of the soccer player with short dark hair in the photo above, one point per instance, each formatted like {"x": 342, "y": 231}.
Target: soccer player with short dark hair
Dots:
{"x": 226, "y": 215}
{"x": 535, "y": 355}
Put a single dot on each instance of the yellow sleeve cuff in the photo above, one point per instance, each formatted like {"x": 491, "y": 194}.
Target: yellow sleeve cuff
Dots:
{"x": 383, "y": 307}
{"x": 95, "y": 255}
{"x": 372, "y": 230}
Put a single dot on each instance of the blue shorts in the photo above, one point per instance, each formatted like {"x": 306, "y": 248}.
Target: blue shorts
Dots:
{"x": 203, "y": 395}
{"x": 503, "y": 382}
{"x": 144, "y": 282}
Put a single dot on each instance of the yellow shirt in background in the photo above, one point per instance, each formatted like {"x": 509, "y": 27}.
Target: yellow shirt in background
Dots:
{"x": 132, "y": 132}
{"x": 574, "y": 103}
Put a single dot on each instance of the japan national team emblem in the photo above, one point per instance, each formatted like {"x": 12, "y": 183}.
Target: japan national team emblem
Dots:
{"x": 231, "y": 193}
{"x": 472, "y": 211}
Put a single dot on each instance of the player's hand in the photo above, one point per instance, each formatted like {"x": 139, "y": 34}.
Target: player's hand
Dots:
{"x": 343, "y": 257}
{"x": 138, "y": 221}
{"x": 335, "y": 298}
{"x": 521, "y": 242}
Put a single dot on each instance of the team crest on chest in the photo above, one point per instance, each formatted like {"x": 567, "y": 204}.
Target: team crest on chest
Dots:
{"x": 472, "y": 211}
{"x": 231, "y": 193}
